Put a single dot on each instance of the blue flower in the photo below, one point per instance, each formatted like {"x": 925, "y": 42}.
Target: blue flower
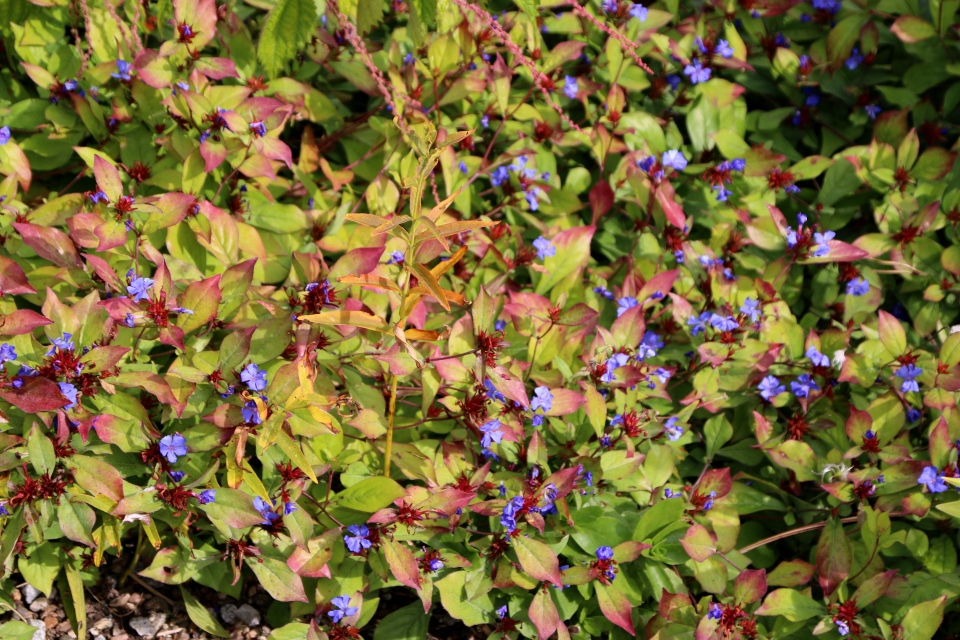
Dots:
{"x": 675, "y": 159}
{"x": 207, "y": 496}
{"x": 738, "y": 164}
{"x": 463, "y": 166}
{"x": 499, "y": 176}
{"x": 751, "y": 308}
{"x": 699, "y": 324}
{"x": 709, "y": 503}
{"x": 251, "y": 413}
{"x": 728, "y": 274}
{"x": 715, "y": 612}
{"x": 502, "y": 612}
{"x": 639, "y": 12}
{"x": 724, "y": 49}
{"x": 342, "y": 604}
{"x": 674, "y": 81}
{"x": 358, "y": 538}
{"x": 542, "y": 399}
{"x": 70, "y": 392}
{"x": 173, "y": 446}
{"x": 696, "y": 72}
{"x": 646, "y": 163}
{"x": 492, "y": 392}
{"x": 908, "y": 373}
{"x": 872, "y": 110}
{"x": 857, "y": 287}
{"x": 613, "y": 363}
{"x": 520, "y": 166}
{"x": 4, "y": 135}
{"x": 854, "y": 60}
{"x": 544, "y": 248}
{"x": 491, "y": 433}
{"x": 605, "y": 441}
{"x": 722, "y": 192}
{"x": 649, "y": 345}
{"x": 258, "y": 129}
{"x": 603, "y": 292}
{"x": 932, "y": 478}
{"x": 570, "y": 87}
{"x": 139, "y": 287}
{"x": 254, "y": 377}
{"x": 792, "y": 238}
{"x": 913, "y": 415}
{"x": 610, "y": 6}
{"x": 822, "y": 239}
{"x": 123, "y": 69}
{"x": 723, "y": 323}
{"x": 537, "y": 420}
{"x": 65, "y": 343}
{"x": 802, "y": 386}
{"x": 396, "y": 257}
{"x": 678, "y": 256}
{"x": 508, "y": 517}
{"x": 813, "y": 96}
{"x": 486, "y": 453}
{"x": 673, "y": 432}
{"x": 436, "y": 564}
{"x": 7, "y": 353}
{"x": 485, "y": 121}
{"x": 531, "y": 198}
{"x": 819, "y": 360}
{"x": 604, "y": 553}
{"x": 842, "y": 627}
{"x": 770, "y": 387}
{"x": 791, "y": 188}
{"x": 288, "y": 508}
{"x": 177, "y": 475}
{"x": 627, "y": 302}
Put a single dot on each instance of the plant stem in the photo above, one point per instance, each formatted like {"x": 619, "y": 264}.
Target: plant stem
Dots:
{"x": 393, "y": 410}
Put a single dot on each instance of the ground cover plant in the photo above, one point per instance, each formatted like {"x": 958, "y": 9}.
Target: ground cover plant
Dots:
{"x": 585, "y": 320}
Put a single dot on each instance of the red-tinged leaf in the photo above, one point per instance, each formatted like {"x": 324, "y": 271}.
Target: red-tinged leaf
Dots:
{"x": 311, "y": 562}
{"x": 629, "y": 551}
{"x": 173, "y": 209}
{"x": 103, "y": 269}
{"x": 891, "y": 127}
{"x": 892, "y": 335}
{"x": 203, "y": 298}
{"x": 538, "y": 560}
{"x": 103, "y": 358}
{"x": 615, "y": 606}
{"x": 873, "y": 588}
{"x": 356, "y": 262}
{"x": 834, "y": 556}
{"x": 110, "y": 235}
{"x": 912, "y": 29}
{"x": 36, "y": 394}
{"x": 857, "y": 424}
{"x": 661, "y": 283}
{"x": 17, "y": 160}
{"x": 108, "y": 178}
{"x": 940, "y": 443}
{"x": 153, "y": 70}
{"x": 152, "y": 383}
{"x": 761, "y": 161}
{"x": 274, "y": 149}
{"x": 750, "y": 586}
{"x": 543, "y": 614}
{"x": 22, "y": 321}
{"x": 213, "y": 153}
{"x": 792, "y": 605}
{"x": 698, "y": 543}
{"x": 402, "y": 564}
{"x": 234, "y": 508}
{"x": 791, "y": 574}
{"x": 842, "y": 38}
{"x": 601, "y": 200}
{"x": 216, "y": 68}
{"x": 13, "y": 280}
{"x": 172, "y": 336}
{"x": 277, "y": 578}
{"x": 672, "y": 210}
{"x": 564, "y": 480}
{"x": 578, "y": 314}
{"x": 715, "y": 480}
{"x": 509, "y": 385}
{"x": 51, "y": 244}
{"x": 714, "y": 353}
{"x": 565, "y": 402}
{"x": 933, "y": 164}
{"x": 447, "y": 501}
{"x": 96, "y": 476}
{"x": 345, "y": 317}
{"x": 201, "y": 16}
{"x": 41, "y": 76}
{"x": 629, "y": 328}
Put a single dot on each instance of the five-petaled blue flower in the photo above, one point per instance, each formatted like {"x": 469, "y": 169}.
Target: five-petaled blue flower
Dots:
{"x": 604, "y": 553}
{"x": 627, "y": 302}
{"x": 803, "y": 385}
{"x": 932, "y": 478}
{"x": 715, "y": 612}
{"x": 842, "y": 627}
{"x": 872, "y": 111}
{"x": 499, "y": 176}
{"x": 751, "y": 308}
{"x": 696, "y": 72}
{"x": 649, "y": 345}
{"x": 173, "y": 446}
{"x": 491, "y": 433}
{"x": 396, "y": 257}
{"x": 674, "y": 158}
{"x": 724, "y": 49}
{"x": 672, "y": 430}
{"x": 770, "y": 387}
{"x": 542, "y": 399}
{"x": 819, "y": 360}
{"x": 357, "y": 539}
{"x": 343, "y": 608}
{"x": 7, "y": 353}
{"x": 139, "y": 287}
{"x": 699, "y": 323}
{"x": 723, "y": 323}
{"x": 854, "y": 60}
{"x": 251, "y": 413}
{"x": 70, "y": 392}
{"x": 639, "y": 12}
{"x": 254, "y": 377}
{"x": 857, "y": 287}
{"x": 266, "y": 510}
{"x": 913, "y": 415}
{"x": 908, "y": 373}
{"x": 4, "y": 135}
{"x": 207, "y": 496}
{"x": 64, "y": 342}
{"x": 544, "y": 248}
{"x": 822, "y": 239}
{"x": 123, "y": 70}
{"x": 570, "y": 87}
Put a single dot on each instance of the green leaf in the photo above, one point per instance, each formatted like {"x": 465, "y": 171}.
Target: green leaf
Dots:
{"x": 76, "y": 521}
{"x": 660, "y": 515}
{"x": 408, "y": 623}
{"x": 287, "y": 28}
{"x": 792, "y": 605}
{"x": 201, "y": 617}
{"x": 538, "y": 560}
{"x": 369, "y": 15}
{"x": 478, "y": 610}
{"x": 16, "y": 630}
{"x": 370, "y": 495}
{"x": 79, "y": 599}
{"x": 923, "y": 619}
{"x": 40, "y": 448}
{"x": 277, "y": 578}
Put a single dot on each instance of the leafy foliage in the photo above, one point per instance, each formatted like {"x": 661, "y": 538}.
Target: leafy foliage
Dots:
{"x": 684, "y": 367}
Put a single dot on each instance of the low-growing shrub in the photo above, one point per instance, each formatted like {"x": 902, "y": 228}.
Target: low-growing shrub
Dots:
{"x": 583, "y": 320}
